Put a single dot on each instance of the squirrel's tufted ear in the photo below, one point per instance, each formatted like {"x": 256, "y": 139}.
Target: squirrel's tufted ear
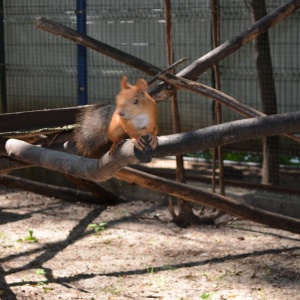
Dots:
{"x": 124, "y": 83}
{"x": 142, "y": 85}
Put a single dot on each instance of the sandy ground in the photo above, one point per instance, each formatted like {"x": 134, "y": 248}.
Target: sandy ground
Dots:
{"x": 137, "y": 254}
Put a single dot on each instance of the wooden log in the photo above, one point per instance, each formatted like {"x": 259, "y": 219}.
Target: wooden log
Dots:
{"x": 196, "y": 195}
{"x": 104, "y": 168}
{"x": 89, "y": 42}
{"x": 70, "y": 164}
{"x": 227, "y": 133}
{"x": 49, "y": 190}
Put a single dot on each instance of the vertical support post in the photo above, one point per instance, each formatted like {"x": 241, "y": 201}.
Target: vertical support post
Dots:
{"x": 215, "y": 7}
{"x": 3, "y": 90}
{"x": 270, "y": 169}
{"x": 185, "y": 211}
{"x": 82, "y": 93}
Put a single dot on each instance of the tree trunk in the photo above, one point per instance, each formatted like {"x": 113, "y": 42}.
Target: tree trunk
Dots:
{"x": 185, "y": 211}
{"x": 270, "y": 169}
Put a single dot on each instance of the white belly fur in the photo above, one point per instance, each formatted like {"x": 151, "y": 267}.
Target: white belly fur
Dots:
{"x": 140, "y": 121}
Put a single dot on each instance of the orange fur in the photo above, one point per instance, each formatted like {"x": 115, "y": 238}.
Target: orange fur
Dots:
{"x": 135, "y": 115}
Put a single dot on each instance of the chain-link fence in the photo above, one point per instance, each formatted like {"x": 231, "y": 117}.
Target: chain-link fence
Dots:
{"x": 41, "y": 69}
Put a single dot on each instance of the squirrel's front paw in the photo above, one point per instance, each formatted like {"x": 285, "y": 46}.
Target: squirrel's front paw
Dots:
{"x": 139, "y": 143}
{"x": 153, "y": 140}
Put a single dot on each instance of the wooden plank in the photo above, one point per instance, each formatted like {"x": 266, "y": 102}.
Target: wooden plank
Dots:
{"x": 35, "y": 120}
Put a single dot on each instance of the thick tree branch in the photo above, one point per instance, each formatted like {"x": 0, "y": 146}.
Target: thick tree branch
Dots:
{"x": 25, "y": 154}
{"x": 228, "y": 133}
{"x": 218, "y": 96}
{"x": 104, "y": 168}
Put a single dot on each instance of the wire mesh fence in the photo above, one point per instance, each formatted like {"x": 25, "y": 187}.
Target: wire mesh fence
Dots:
{"x": 41, "y": 69}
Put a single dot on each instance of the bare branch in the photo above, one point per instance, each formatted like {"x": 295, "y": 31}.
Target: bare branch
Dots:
{"x": 81, "y": 167}
{"x": 194, "y": 194}
{"x": 74, "y": 36}
{"x": 218, "y": 96}
{"x": 228, "y": 133}
{"x": 104, "y": 168}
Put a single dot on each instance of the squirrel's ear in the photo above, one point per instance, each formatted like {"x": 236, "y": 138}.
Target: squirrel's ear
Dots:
{"x": 142, "y": 85}
{"x": 124, "y": 83}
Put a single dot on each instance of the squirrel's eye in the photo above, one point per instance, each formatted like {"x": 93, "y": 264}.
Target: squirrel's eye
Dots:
{"x": 135, "y": 101}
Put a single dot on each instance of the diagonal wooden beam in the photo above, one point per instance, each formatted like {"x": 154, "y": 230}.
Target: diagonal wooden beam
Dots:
{"x": 89, "y": 42}
{"x": 195, "y": 69}
{"x": 197, "y": 195}
{"x": 47, "y": 119}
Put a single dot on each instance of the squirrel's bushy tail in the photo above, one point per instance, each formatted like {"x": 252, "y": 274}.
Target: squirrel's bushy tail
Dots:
{"x": 90, "y": 134}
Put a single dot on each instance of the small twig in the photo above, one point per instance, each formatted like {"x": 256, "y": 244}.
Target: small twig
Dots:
{"x": 165, "y": 71}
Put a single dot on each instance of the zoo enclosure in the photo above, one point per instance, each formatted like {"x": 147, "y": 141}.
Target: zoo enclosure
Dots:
{"x": 41, "y": 70}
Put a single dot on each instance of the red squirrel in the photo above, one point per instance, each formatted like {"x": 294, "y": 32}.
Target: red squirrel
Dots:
{"x": 134, "y": 115}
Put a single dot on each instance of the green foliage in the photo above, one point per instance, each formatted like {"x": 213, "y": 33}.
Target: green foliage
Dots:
{"x": 40, "y": 272}
{"x": 98, "y": 228}
{"x": 30, "y": 238}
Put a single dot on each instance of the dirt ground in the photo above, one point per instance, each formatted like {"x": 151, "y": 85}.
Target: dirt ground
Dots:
{"x": 137, "y": 254}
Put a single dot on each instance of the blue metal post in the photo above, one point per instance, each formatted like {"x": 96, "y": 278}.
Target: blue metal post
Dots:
{"x": 81, "y": 54}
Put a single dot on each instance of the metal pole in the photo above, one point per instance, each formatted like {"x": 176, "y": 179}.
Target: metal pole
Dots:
{"x": 3, "y": 92}
{"x": 82, "y": 87}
